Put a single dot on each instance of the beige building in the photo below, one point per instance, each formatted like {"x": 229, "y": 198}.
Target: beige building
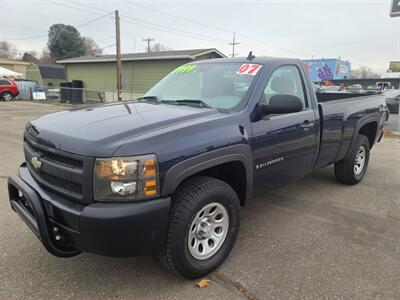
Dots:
{"x": 18, "y": 66}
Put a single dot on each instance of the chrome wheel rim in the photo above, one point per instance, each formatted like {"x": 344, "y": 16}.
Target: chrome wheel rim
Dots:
{"x": 208, "y": 231}
{"x": 360, "y": 160}
{"x": 7, "y": 97}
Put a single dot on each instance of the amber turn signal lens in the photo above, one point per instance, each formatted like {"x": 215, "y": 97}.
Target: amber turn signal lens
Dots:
{"x": 150, "y": 187}
{"x": 150, "y": 167}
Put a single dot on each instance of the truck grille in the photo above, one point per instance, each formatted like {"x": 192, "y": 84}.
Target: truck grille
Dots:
{"x": 62, "y": 183}
{"x": 68, "y": 162}
{"x": 64, "y": 173}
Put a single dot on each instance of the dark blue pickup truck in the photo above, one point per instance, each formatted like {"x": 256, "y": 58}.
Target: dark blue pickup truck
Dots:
{"x": 166, "y": 174}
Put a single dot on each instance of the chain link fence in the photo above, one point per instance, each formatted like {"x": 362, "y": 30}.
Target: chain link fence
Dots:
{"x": 31, "y": 91}
{"x": 74, "y": 95}
{"x": 392, "y": 125}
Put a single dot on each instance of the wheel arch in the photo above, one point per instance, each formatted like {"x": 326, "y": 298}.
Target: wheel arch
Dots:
{"x": 6, "y": 91}
{"x": 232, "y": 164}
{"x": 370, "y": 130}
{"x": 368, "y": 126}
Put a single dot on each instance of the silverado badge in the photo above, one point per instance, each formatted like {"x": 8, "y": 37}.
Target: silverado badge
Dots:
{"x": 36, "y": 163}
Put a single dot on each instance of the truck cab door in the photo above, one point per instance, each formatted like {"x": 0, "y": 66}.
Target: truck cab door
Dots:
{"x": 284, "y": 145}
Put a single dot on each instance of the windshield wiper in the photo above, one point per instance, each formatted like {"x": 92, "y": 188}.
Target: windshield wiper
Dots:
{"x": 150, "y": 99}
{"x": 191, "y": 102}
{"x": 157, "y": 100}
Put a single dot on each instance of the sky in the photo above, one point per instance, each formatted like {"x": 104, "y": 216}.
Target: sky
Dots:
{"x": 360, "y": 31}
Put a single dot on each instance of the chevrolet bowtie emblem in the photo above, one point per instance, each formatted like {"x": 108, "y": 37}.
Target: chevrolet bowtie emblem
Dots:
{"x": 36, "y": 163}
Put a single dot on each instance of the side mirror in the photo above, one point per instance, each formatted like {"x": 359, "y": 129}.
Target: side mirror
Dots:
{"x": 281, "y": 104}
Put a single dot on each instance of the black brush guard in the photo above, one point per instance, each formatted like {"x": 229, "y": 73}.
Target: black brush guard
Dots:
{"x": 27, "y": 204}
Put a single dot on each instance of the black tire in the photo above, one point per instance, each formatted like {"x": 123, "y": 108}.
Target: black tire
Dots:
{"x": 188, "y": 201}
{"x": 6, "y": 96}
{"x": 345, "y": 169}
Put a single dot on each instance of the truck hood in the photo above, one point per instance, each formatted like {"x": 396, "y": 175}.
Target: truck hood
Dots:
{"x": 99, "y": 131}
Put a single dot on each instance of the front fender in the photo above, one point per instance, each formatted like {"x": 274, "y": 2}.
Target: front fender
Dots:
{"x": 183, "y": 170}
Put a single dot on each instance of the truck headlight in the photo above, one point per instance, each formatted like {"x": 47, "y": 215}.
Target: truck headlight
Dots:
{"x": 126, "y": 178}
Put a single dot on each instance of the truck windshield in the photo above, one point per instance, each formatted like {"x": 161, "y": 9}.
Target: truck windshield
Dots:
{"x": 217, "y": 85}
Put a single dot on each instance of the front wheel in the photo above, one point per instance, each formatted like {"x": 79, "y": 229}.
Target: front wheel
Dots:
{"x": 353, "y": 167}
{"x": 203, "y": 226}
{"x": 6, "y": 96}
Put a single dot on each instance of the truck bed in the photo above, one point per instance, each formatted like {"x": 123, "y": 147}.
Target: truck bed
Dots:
{"x": 339, "y": 116}
{"x": 326, "y": 97}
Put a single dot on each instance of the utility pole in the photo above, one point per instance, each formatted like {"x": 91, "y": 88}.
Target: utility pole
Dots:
{"x": 118, "y": 55}
{"x": 148, "y": 40}
{"x": 233, "y": 44}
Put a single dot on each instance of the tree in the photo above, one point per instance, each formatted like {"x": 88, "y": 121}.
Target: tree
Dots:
{"x": 7, "y": 50}
{"x": 45, "y": 57}
{"x": 158, "y": 47}
{"x": 91, "y": 47}
{"x": 65, "y": 41}
{"x": 363, "y": 73}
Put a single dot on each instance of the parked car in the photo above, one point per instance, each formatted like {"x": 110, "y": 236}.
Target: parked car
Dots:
{"x": 384, "y": 85}
{"x": 331, "y": 89}
{"x": 8, "y": 89}
{"x": 393, "y": 101}
{"x": 356, "y": 89}
{"x": 168, "y": 173}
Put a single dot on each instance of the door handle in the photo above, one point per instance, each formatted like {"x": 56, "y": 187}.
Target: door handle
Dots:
{"x": 307, "y": 124}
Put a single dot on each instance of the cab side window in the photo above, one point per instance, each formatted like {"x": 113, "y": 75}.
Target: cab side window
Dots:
{"x": 285, "y": 80}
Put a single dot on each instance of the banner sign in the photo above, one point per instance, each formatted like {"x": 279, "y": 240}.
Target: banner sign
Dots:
{"x": 321, "y": 70}
{"x": 395, "y": 8}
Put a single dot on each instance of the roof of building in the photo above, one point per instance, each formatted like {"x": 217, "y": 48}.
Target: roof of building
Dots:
{"x": 9, "y": 73}
{"x": 12, "y": 61}
{"x": 175, "y": 54}
{"x": 52, "y": 71}
{"x": 394, "y": 66}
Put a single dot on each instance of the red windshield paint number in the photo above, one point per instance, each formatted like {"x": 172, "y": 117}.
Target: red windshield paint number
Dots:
{"x": 248, "y": 69}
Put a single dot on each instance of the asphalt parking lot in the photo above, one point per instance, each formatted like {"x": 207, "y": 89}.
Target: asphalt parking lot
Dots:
{"x": 312, "y": 239}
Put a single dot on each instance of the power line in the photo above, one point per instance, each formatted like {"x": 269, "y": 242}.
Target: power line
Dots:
{"x": 88, "y": 6}
{"x": 28, "y": 38}
{"x": 94, "y": 20}
{"x": 213, "y": 27}
{"x": 174, "y": 30}
{"x": 71, "y": 7}
{"x": 207, "y": 38}
{"x": 109, "y": 46}
{"x": 82, "y": 7}
{"x": 179, "y": 17}
{"x": 45, "y": 35}
{"x": 176, "y": 33}
{"x": 158, "y": 27}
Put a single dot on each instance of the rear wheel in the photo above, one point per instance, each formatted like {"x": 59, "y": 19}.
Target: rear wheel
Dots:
{"x": 6, "y": 96}
{"x": 203, "y": 227}
{"x": 353, "y": 167}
